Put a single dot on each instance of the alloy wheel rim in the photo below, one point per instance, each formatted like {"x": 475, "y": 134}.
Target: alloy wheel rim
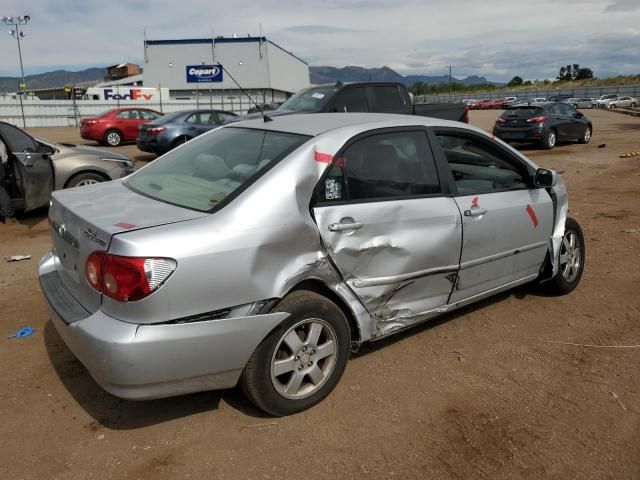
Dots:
{"x": 113, "y": 139}
{"x": 570, "y": 256}
{"x": 552, "y": 139}
{"x": 304, "y": 358}
{"x": 87, "y": 181}
{"x": 587, "y": 134}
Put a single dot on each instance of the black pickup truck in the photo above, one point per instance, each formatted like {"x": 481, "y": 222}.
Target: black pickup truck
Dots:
{"x": 374, "y": 97}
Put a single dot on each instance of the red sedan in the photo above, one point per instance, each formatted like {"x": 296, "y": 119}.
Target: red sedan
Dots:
{"x": 116, "y": 126}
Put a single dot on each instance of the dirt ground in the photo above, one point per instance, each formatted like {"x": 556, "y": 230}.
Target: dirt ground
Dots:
{"x": 478, "y": 394}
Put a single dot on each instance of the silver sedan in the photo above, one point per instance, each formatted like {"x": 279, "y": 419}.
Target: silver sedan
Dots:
{"x": 624, "y": 102}
{"x": 37, "y": 167}
{"x": 264, "y": 252}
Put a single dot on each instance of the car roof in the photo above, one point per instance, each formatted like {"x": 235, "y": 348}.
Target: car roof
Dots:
{"x": 315, "y": 124}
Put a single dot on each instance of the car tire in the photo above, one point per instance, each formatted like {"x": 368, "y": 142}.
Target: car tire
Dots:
{"x": 586, "y": 135}
{"x": 83, "y": 179}
{"x": 289, "y": 373}
{"x": 632, "y": 104}
{"x": 572, "y": 257}
{"x": 112, "y": 138}
{"x": 549, "y": 139}
{"x": 179, "y": 141}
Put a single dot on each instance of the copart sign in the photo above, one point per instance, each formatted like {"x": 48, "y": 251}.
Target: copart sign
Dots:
{"x": 204, "y": 73}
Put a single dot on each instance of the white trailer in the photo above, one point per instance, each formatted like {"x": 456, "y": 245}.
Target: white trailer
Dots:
{"x": 117, "y": 93}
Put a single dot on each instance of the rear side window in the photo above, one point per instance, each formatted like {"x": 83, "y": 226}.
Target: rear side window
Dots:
{"x": 147, "y": 115}
{"x": 388, "y": 99}
{"x": 205, "y": 171}
{"x": 477, "y": 168}
{"x": 202, "y": 118}
{"x": 384, "y": 166}
{"x": 352, "y": 99}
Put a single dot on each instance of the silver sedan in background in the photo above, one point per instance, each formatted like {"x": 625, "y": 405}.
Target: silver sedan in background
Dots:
{"x": 581, "y": 102}
{"x": 262, "y": 253}
{"x": 624, "y": 102}
{"x": 37, "y": 167}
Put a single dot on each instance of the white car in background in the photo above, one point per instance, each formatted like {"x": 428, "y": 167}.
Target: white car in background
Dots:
{"x": 605, "y": 100}
{"x": 624, "y": 102}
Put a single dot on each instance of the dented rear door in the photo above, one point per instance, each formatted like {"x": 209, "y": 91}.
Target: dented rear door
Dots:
{"x": 388, "y": 226}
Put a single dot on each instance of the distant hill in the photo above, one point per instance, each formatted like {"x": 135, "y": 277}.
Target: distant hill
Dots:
{"x": 321, "y": 75}
{"x": 57, "y": 78}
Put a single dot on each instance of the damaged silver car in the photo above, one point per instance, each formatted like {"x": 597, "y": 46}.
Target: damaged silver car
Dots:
{"x": 264, "y": 252}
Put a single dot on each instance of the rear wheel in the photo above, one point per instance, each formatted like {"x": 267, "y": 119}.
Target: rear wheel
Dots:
{"x": 572, "y": 257}
{"x": 302, "y": 360}
{"x": 82, "y": 179}
{"x": 586, "y": 136}
{"x": 179, "y": 141}
{"x": 113, "y": 138}
{"x": 549, "y": 139}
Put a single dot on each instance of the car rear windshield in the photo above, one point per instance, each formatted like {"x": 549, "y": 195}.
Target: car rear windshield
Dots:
{"x": 204, "y": 172}
{"x": 166, "y": 118}
{"x": 523, "y": 112}
{"x": 309, "y": 99}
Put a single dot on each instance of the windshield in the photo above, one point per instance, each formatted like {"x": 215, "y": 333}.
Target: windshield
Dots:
{"x": 309, "y": 99}
{"x": 204, "y": 172}
{"x": 522, "y": 112}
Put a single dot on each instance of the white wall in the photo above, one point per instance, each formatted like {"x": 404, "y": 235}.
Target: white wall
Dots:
{"x": 286, "y": 72}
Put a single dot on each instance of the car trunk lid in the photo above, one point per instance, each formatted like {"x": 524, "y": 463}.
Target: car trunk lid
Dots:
{"x": 84, "y": 220}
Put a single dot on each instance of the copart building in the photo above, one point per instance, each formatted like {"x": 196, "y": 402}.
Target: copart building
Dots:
{"x": 198, "y": 67}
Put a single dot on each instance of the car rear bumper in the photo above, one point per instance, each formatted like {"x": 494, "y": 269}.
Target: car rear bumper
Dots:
{"x": 524, "y": 134}
{"x": 139, "y": 362}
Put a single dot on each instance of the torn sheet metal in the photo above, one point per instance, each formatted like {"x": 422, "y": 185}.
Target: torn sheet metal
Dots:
{"x": 17, "y": 258}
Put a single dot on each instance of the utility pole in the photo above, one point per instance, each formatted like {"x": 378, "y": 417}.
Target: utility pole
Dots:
{"x": 17, "y": 33}
{"x": 449, "y": 83}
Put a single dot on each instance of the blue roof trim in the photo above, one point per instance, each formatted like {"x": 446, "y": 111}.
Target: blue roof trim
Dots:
{"x": 193, "y": 41}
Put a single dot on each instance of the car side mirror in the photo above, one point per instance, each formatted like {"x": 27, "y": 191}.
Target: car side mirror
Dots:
{"x": 578, "y": 114}
{"x": 545, "y": 178}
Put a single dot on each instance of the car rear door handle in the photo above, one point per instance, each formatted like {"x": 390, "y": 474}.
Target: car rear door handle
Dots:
{"x": 339, "y": 227}
{"x": 476, "y": 212}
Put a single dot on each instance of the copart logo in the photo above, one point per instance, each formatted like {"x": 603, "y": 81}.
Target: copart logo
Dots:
{"x": 204, "y": 72}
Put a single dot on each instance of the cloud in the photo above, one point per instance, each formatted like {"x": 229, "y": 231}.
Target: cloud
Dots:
{"x": 623, "y": 6}
{"x": 321, "y": 29}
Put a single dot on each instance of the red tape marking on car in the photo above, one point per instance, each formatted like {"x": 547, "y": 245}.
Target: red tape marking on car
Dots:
{"x": 532, "y": 214}
{"x": 474, "y": 202}
{"x": 126, "y": 225}
{"x": 323, "y": 157}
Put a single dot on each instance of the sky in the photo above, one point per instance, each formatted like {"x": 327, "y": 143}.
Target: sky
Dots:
{"x": 493, "y": 38}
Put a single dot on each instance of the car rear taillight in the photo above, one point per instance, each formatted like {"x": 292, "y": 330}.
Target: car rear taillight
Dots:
{"x": 127, "y": 279}
{"x": 90, "y": 122}
{"x": 500, "y": 121}
{"x": 156, "y": 130}
{"x": 540, "y": 119}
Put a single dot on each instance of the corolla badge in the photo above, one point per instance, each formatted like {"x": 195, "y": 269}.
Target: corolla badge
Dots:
{"x": 91, "y": 234}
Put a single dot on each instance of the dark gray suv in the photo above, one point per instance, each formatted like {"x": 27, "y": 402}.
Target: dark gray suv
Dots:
{"x": 173, "y": 129}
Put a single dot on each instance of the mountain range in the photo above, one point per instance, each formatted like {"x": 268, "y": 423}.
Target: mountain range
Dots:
{"x": 319, "y": 75}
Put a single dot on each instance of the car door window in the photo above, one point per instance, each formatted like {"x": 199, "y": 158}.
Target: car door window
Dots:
{"x": 225, "y": 116}
{"x": 193, "y": 118}
{"x": 567, "y": 109}
{"x": 384, "y": 166}
{"x": 477, "y": 168}
{"x": 16, "y": 140}
{"x": 352, "y": 99}
{"x": 147, "y": 115}
{"x": 555, "y": 109}
{"x": 125, "y": 115}
{"x": 388, "y": 99}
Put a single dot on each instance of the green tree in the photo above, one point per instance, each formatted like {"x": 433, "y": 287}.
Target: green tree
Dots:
{"x": 515, "y": 82}
{"x": 584, "y": 74}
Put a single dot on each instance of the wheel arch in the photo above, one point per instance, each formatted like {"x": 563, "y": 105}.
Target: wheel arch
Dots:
{"x": 319, "y": 287}
{"x": 83, "y": 171}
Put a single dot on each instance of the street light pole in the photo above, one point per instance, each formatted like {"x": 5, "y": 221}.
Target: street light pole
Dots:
{"x": 17, "y": 33}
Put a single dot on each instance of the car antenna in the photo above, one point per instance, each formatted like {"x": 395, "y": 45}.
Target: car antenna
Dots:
{"x": 266, "y": 118}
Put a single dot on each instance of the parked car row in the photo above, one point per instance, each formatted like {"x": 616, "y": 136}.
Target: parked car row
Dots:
{"x": 605, "y": 101}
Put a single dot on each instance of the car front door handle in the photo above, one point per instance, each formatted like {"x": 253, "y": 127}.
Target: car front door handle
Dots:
{"x": 476, "y": 212}
{"x": 339, "y": 227}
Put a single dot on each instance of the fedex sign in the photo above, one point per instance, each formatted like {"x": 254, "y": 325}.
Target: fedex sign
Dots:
{"x": 133, "y": 94}
{"x": 204, "y": 73}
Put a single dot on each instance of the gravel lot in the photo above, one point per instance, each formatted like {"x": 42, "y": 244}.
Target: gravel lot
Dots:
{"x": 478, "y": 394}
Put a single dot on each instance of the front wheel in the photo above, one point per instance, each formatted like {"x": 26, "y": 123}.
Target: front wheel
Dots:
{"x": 586, "y": 136}
{"x": 302, "y": 360}
{"x": 572, "y": 257}
{"x": 82, "y": 179}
